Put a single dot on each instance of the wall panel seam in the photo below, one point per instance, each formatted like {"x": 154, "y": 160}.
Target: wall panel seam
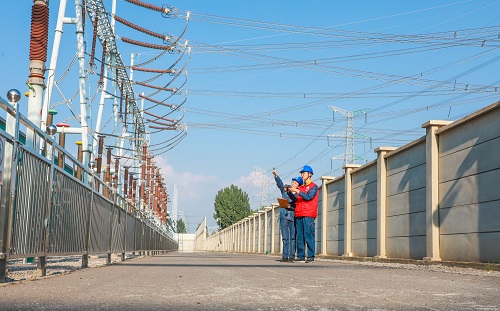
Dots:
{"x": 392, "y": 172}
{"x": 446, "y": 154}
{"x": 470, "y": 175}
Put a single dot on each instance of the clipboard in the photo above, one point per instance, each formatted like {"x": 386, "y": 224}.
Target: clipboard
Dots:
{"x": 283, "y": 203}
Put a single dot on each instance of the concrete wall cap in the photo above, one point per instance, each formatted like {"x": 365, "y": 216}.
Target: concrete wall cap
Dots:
{"x": 328, "y": 177}
{"x": 384, "y": 148}
{"x": 351, "y": 166}
{"x": 405, "y": 147}
{"x": 470, "y": 117}
{"x": 436, "y": 123}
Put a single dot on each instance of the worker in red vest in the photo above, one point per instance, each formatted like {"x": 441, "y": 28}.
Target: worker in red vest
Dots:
{"x": 306, "y": 212}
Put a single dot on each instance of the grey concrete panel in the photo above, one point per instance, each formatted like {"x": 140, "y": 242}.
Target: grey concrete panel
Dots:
{"x": 413, "y": 247}
{"x": 364, "y": 194}
{"x": 319, "y": 219}
{"x": 406, "y": 159}
{"x": 473, "y": 218}
{"x": 364, "y": 247}
{"x": 470, "y": 161}
{"x": 413, "y": 178}
{"x": 317, "y": 249}
{"x": 364, "y": 176}
{"x": 335, "y": 217}
{"x": 406, "y": 225}
{"x": 476, "y": 131}
{"x": 317, "y": 244}
{"x": 335, "y": 233}
{"x": 277, "y": 243}
{"x": 364, "y": 229}
{"x": 470, "y": 247}
{"x": 335, "y": 203}
{"x": 365, "y": 211}
{"x": 269, "y": 234}
{"x": 469, "y": 190}
{"x": 335, "y": 248}
{"x": 336, "y": 187}
{"x": 406, "y": 202}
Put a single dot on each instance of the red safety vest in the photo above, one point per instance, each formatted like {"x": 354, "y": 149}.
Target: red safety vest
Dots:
{"x": 307, "y": 208}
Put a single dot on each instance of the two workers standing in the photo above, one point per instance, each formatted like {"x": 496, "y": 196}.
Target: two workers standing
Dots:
{"x": 297, "y": 222}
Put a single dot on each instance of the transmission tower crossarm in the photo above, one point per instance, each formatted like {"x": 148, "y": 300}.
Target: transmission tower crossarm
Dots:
{"x": 349, "y": 113}
{"x": 342, "y": 111}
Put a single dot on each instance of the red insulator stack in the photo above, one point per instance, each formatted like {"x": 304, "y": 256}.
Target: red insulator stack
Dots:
{"x": 39, "y": 40}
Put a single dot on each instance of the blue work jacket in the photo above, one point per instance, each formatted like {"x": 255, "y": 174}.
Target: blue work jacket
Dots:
{"x": 287, "y": 213}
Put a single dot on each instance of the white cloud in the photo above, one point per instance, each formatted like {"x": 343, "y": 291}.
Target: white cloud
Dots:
{"x": 187, "y": 182}
{"x": 196, "y": 193}
{"x": 252, "y": 179}
{"x": 253, "y": 183}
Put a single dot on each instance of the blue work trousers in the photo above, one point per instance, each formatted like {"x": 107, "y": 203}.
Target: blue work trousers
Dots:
{"x": 306, "y": 230}
{"x": 287, "y": 227}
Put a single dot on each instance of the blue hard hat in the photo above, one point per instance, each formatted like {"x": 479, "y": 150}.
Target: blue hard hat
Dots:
{"x": 299, "y": 180}
{"x": 307, "y": 168}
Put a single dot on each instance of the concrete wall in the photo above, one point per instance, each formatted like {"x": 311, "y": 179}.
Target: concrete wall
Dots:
{"x": 435, "y": 198}
{"x": 335, "y": 218}
{"x": 364, "y": 211}
{"x": 268, "y": 230}
{"x": 200, "y": 244}
{"x": 405, "y": 222}
{"x": 186, "y": 242}
{"x": 277, "y": 233}
{"x": 469, "y": 193}
{"x": 261, "y": 244}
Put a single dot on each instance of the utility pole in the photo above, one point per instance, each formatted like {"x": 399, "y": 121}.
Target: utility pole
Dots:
{"x": 348, "y": 135}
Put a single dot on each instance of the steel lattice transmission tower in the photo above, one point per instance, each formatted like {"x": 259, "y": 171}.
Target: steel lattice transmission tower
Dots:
{"x": 264, "y": 184}
{"x": 349, "y": 134}
{"x": 263, "y": 194}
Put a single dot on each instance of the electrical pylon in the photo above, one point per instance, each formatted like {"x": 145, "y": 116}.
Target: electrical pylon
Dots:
{"x": 348, "y": 135}
{"x": 263, "y": 194}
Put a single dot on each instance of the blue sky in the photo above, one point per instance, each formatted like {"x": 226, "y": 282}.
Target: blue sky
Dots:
{"x": 262, "y": 75}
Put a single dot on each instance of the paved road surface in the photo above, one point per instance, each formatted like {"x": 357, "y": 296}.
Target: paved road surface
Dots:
{"x": 212, "y": 281}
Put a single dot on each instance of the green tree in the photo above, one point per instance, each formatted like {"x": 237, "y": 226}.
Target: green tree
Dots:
{"x": 231, "y": 205}
{"x": 181, "y": 226}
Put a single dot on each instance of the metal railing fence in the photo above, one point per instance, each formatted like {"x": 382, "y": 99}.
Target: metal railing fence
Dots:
{"x": 31, "y": 200}
{"x": 68, "y": 217}
{"x": 48, "y": 210}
